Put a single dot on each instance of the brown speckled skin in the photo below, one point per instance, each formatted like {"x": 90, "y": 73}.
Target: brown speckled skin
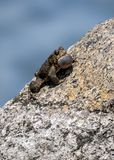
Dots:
{"x": 51, "y": 61}
{"x": 48, "y": 70}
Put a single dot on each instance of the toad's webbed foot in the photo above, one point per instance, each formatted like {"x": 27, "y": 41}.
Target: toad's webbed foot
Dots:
{"x": 35, "y": 86}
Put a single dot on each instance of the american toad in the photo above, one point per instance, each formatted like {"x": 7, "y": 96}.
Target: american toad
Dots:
{"x": 59, "y": 59}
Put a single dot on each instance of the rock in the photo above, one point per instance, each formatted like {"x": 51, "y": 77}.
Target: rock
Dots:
{"x": 73, "y": 120}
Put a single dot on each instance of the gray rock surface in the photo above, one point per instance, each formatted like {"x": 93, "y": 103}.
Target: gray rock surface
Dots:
{"x": 73, "y": 120}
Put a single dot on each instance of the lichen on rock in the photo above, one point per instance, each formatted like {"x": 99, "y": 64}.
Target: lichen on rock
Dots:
{"x": 73, "y": 120}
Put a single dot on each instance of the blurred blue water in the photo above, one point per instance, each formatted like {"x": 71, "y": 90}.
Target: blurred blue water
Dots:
{"x": 31, "y": 29}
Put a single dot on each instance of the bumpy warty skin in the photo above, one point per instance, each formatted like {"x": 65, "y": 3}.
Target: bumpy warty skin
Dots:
{"x": 59, "y": 59}
{"x": 73, "y": 120}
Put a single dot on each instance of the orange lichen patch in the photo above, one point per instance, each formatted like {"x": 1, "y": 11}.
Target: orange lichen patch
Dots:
{"x": 77, "y": 49}
{"x": 104, "y": 95}
{"x": 65, "y": 108}
{"x": 81, "y": 81}
{"x": 94, "y": 104}
{"x": 71, "y": 93}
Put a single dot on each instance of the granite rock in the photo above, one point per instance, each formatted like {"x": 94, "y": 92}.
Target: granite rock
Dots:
{"x": 73, "y": 120}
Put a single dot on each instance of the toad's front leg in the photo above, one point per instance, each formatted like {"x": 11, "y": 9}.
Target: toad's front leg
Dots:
{"x": 52, "y": 75}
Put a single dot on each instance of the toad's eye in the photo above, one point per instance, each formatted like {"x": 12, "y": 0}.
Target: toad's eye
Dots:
{"x": 56, "y": 52}
{"x": 60, "y": 49}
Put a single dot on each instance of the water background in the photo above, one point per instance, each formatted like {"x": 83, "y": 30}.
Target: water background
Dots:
{"x": 31, "y": 29}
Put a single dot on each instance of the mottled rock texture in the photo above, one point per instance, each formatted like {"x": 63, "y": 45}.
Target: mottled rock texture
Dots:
{"x": 70, "y": 121}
